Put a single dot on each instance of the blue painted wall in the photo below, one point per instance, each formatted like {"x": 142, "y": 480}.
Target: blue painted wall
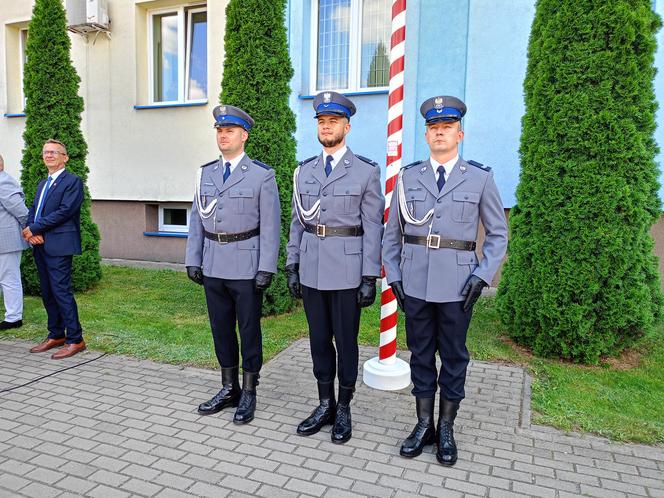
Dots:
{"x": 473, "y": 49}
{"x": 659, "y": 91}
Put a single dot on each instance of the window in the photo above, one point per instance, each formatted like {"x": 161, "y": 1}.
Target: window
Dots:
{"x": 178, "y": 55}
{"x": 351, "y": 49}
{"x": 174, "y": 218}
{"x": 23, "y": 41}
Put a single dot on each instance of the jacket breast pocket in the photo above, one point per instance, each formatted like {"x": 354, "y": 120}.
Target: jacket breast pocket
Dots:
{"x": 415, "y": 201}
{"x": 207, "y": 194}
{"x": 241, "y": 198}
{"x": 347, "y": 198}
{"x": 465, "y": 206}
{"x": 309, "y": 193}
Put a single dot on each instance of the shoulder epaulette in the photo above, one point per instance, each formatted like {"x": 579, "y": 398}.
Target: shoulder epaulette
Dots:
{"x": 307, "y": 160}
{"x": 209, "y": 164}
{"x": 413, "y": 164}
{"x": 478, "y": 165}
{"x": 262, "y": 165}
{"x": 366, "y": 160}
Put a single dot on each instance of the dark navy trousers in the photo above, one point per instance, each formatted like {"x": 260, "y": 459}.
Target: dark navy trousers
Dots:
{"x": 442, "y": 328}
{"x": 57, "y": 296}
{"x": 232, "y": 302}
{"x": 333, "y": 314}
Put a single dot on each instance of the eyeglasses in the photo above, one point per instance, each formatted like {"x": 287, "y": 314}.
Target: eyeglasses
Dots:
{"x": 52, "y": 153}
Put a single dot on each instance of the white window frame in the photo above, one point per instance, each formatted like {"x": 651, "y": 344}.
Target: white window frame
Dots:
{"x": 21, "y": 51}
{"x": 354, "y": 52}
{"x": 173, "y": 228}
{"x": 183, "y": 58}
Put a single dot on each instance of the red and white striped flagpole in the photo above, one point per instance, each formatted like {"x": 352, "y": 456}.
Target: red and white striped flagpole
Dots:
{"x": 387, "y": 371}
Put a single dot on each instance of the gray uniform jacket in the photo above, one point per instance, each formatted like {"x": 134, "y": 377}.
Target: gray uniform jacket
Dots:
{"x": 350, "y": 196}
{"x": 247, "y": 200}
{"x": 469, "y": 195}
{"x": 13, "y": 215}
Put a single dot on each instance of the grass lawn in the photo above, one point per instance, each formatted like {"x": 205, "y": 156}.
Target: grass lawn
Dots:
{"x": 160, "y": 315}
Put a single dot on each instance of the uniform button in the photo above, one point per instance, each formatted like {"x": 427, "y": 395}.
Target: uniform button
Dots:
{"x": 221, "y": 195}
{"x": 439, "y": 201}
{"x": 435, "y": 231}
{"x": 324, "y": 209}
{"x": 324, "y": 194}
{"x": 437, "y": 216}
{"x": 465, "y": 197}
{"x": 347, "y": 192}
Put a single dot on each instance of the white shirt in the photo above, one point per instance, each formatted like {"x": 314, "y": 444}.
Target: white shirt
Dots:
{"x": 54, "y": 177}
{"x": 449, "y": 165}
{"x": 234, "y": 162}
{"x": 336, "y": 157}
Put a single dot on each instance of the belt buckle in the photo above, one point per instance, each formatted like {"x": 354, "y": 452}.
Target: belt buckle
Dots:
{"x": 433, "y": 241}
{"x": 320, "y": 231}
{"x": 219, "y": 238}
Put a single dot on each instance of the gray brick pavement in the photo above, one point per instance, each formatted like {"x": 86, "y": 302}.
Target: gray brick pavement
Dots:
{"x": 127, "y": 427}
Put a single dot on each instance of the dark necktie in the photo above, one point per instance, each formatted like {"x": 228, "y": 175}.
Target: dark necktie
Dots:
{"x": 227, "y": 171}
{"x": 328, "y": 165}
{"x": 43, "y": 198}
{"x": 441, "y": 178}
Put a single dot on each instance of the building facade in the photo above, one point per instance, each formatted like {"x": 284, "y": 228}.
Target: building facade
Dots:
{"x": 150, "y": 87}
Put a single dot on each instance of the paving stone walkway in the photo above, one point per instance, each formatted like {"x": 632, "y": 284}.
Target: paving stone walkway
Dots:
{"x": 123, "y": 427}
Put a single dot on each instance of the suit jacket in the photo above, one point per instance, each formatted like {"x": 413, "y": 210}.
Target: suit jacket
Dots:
{"x": 248, "y": 199}
{"x": 469, "y": 195}
{"x": 350, "y": 196}
{"x": 60, "y": 220}
{"x": 13, "y": 215}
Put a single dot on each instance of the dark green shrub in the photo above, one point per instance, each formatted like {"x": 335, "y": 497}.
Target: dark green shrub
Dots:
{"x": 257, "y": 73}
{"x": 53, "y": 110}
{"x": 581, "y": 279}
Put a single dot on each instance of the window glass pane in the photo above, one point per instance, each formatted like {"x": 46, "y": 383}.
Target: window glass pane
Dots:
{"x": 375, "y": 43}
{"x": 333, "y": 44}
{"x": 24, "y": 60}
{"x": 197, "y": 54}
{"x": 175, "y": 216}
{"x": 165, "y": 35}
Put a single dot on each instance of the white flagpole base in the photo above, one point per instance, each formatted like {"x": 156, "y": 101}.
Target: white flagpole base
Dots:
{"x": 386, "y": 377}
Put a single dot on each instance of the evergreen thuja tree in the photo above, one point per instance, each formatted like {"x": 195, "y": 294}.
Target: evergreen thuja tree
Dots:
{"x": 257, "y": 73}
{"x": 581, "y": 280}
{"x": 53, "y": 110}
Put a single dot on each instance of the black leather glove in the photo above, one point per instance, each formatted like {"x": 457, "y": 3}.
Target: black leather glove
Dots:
{"x": 262, "y": 281}
{"x": 397, "y": 290}
{"x": 472, "y": 290}
{"x": 366, "y": 294}
{"x": 293, "y": 278}
{"x": 195, "y": 274}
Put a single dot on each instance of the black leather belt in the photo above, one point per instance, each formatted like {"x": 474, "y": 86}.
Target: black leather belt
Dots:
{"x": 435, "y": 242}
{"x": 328, "y": 231}
{"x": 225, "y": 238}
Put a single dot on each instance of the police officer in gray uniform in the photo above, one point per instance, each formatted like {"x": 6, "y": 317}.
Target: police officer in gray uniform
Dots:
{"x": 334, "y": 258}
{"x": 430, "y": 262}
{"x": 232, "y": 251}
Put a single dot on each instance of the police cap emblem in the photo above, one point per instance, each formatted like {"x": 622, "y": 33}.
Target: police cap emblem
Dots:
{"x": 438, "y": 103}
{"x": 327, "y": 97}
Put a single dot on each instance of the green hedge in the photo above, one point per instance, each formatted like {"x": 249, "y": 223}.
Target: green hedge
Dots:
{"x": 257, "y": 74}
{"x": 581, "y": 279}
{"x": 53, "y": 110}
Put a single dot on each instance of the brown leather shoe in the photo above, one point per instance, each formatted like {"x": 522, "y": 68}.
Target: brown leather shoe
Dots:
{"x": 47, "y": 344}
{"x": 68, "y": 350}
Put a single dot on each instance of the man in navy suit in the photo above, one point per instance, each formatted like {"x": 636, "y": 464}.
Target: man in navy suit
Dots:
{"x": 54, "y": 230}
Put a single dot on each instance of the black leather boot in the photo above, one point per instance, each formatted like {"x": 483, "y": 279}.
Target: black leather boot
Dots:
{"x": 342, "y": 428}
{"x": 228, "y": 396}
{"x": 447, "y": 449}
{"x": 424, "y": 432}
{"x": 247, "y": 404}
{"x": 323, "y": 414}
